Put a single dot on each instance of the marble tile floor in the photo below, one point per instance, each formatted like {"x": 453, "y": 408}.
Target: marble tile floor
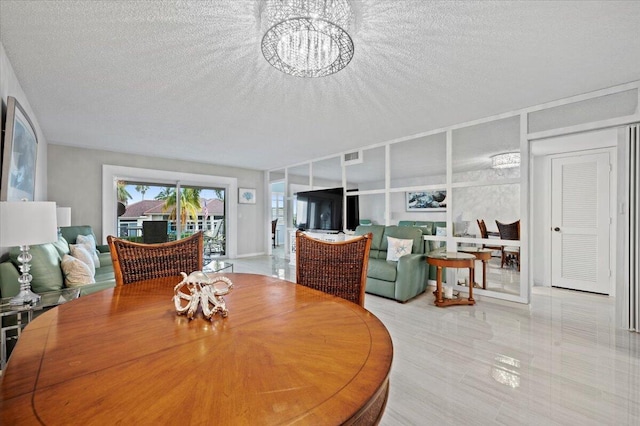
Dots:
{"x": 558, "y": 361}
{"x": 504, "y": 280}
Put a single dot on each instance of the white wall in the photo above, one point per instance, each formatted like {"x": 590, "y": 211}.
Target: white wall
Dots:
{"x": 75, "y": 180}
{"x": 10, "y": 86}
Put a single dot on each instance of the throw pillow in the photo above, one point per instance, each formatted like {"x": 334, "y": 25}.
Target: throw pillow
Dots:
{"x": 76, "y": 272}
{"x": 62, "y": 246}
{"x": 398, "y": 248}
{"x": 441, "y": 231}
{"x": 79, "y": 252}
{"x": 90, "y": 244}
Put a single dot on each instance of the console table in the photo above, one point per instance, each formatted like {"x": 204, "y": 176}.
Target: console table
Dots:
{"x": 452, "y": 260}
{"x": 331, "y": 236}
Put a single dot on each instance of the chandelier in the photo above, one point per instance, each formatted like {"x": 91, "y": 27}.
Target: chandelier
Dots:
{"x": 505, "y": 160}
{"x": 307, "y": 38}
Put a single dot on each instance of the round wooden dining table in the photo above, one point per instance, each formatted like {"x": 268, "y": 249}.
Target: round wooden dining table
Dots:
{"x": 285, "y": 354}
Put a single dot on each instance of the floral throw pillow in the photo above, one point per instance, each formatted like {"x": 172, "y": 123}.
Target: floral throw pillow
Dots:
{"x": 398, "y": 248}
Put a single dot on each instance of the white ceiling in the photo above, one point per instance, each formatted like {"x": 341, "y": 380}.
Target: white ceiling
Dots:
{"x": 187, "y": 80}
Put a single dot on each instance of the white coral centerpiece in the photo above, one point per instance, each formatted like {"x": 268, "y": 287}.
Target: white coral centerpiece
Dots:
{"x": 201, "y": 290}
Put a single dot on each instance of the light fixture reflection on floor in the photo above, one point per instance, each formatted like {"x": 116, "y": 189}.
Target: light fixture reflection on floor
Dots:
{"x": 505, "y": 160}
{"x": 307, "y": 38}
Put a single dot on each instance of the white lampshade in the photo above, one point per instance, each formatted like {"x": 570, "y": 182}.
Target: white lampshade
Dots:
{"x": 63, "y": 215}
{"x": 24, "y": 223}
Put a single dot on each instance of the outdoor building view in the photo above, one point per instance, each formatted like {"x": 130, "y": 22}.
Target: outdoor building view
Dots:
{"x": 147, "y": 213}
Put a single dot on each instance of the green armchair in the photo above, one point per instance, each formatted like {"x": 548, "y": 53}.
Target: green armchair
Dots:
{"x": 399, "y": 280}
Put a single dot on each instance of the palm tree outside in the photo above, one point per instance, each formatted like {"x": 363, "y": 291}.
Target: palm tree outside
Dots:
{"x": 165, "y": 193}
{"x": 189, "y": 204}
{"x": 142, "y": 189}
{"x": 122, "y": 193}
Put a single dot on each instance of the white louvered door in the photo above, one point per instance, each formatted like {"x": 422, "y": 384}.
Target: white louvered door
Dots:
{"x": 580, "y": 223}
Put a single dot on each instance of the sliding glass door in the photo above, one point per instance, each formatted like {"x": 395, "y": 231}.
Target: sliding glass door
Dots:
{"x": 153, "y": 213}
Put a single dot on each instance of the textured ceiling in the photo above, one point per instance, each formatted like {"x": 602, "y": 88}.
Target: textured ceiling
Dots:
{"x": 187, "y": 80}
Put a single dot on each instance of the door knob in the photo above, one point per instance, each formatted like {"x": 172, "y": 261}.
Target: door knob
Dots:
{"x": 556, "y": 229}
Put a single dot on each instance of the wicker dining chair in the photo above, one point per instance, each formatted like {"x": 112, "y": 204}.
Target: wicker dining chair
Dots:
{"x": 274, "y": 225}
{"x": 137, "y": 262}
{"x": 485, "y": 235}
{"x": 337, "y": 268}
{"x": 510, "y": 231}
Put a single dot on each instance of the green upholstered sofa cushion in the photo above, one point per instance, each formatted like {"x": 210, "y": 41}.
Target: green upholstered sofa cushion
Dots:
{"x": 385, "y": 270}
{"x": 376, "y": 239}
{"x": 403, "y": 233}
{"x": 70, "y": 233}
{"x": 45, "y": 267}
{"x": 9, "y": 285}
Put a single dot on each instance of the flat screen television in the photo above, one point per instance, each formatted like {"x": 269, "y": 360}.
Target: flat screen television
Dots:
{"x": 321, "y": 210}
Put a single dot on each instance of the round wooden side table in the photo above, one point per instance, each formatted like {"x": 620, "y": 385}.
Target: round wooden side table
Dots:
{"x": 452, "y": 260}
{"x": 484, "y": 255}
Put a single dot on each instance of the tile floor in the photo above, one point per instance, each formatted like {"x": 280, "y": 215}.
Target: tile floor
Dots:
{"x": 558, "y": 361}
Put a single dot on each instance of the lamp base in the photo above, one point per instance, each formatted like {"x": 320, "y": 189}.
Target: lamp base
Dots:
{"x": 25, "y": 297}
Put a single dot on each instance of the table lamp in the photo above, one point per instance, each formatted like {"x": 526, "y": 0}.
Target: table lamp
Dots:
{"x": 25, "y": 223}
{"x": 63, "y": 216}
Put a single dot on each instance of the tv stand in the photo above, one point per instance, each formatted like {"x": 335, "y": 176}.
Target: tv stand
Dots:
{"x": 318, "y": 234}
{"x": 322, "y": 232}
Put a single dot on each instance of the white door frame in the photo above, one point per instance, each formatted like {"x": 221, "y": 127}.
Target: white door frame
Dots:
{"x": 110, "y": 173}
{"x": 579, "y": 143}
{"x": 605, "y": 222}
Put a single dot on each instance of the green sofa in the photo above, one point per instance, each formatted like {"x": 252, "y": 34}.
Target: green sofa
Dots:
{"x": 45, "y": 266}
{"x": 399, "y": 280}
{"x": 429, "y": 228}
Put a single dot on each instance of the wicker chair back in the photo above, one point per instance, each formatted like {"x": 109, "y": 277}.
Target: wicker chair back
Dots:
{"x": 337, "y": 268}
{"x": 137, "y": 262}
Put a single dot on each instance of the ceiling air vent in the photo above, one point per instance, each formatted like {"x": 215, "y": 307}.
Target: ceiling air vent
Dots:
{"x": 351, "y": 158}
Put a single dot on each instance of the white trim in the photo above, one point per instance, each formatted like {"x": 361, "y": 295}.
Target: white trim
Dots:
{"x": 471, "y": 184}
{"x": 585, "y": 127}
{"x": 417, "y": 188}
{"x": 111, "y": 173}
{"x": 552, "y": 104}
{"x": 451, "y": 244}
{"x": 526, "y": 271}
{"x": 387, "y": 184}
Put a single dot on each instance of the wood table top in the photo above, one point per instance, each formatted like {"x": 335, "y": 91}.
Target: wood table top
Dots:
{"x": 285, "y": 354}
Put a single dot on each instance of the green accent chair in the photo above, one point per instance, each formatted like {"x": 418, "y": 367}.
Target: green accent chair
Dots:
{"x": 399, "y": 280}
{"x": 430, "y": 228}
